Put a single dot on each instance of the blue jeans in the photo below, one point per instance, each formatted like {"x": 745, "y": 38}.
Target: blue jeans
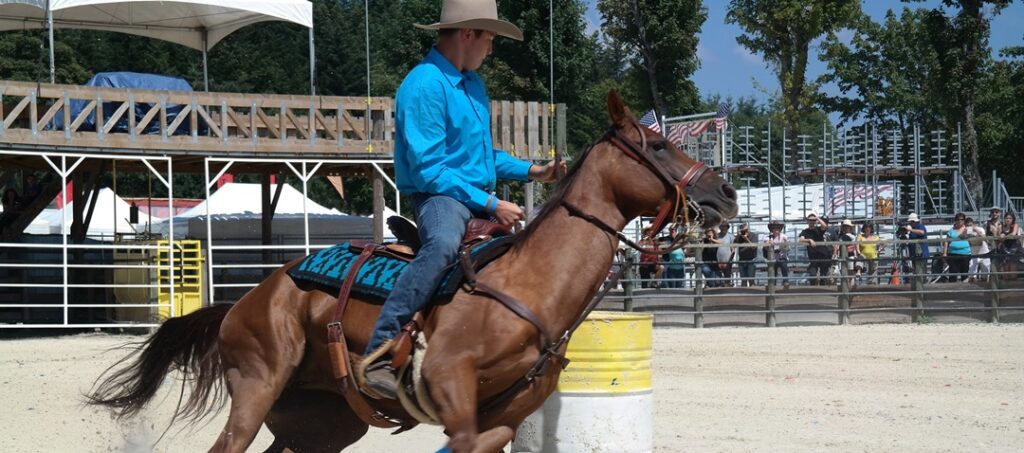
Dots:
{"x": 442, "y": 223}
{"x": 712, "y": 275}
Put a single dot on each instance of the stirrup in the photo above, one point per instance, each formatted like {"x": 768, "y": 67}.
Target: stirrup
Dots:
{"x": 366, "y": 362}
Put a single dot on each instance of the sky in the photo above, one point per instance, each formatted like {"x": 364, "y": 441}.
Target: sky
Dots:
{"x": 730, "y": 70}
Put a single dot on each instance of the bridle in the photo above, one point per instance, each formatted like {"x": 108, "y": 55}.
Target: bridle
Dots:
{"x": 640, "y": 153}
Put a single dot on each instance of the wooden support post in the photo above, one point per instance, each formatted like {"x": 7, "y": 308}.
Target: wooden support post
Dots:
{"x": 917, "y": 285}
{"x": 993, "y": 314}
{"x": 266, "y": 220}
{"x": 378, "y": 207}
{"x": 844, "y": 287}
{"x": 698, "y": 290}
{"x": 628, "y": 279}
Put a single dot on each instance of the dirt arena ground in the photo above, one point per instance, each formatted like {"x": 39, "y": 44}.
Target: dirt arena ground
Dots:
{"x": 850, "y": 388}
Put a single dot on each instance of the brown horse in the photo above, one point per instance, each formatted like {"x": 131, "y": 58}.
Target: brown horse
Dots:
{"x": 271, "y": 346}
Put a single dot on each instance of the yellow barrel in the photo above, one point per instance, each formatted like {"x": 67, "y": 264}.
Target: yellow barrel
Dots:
{"x": 604, "y": 401}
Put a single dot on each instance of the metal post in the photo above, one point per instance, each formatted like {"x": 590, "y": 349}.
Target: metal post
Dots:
{"x": 312, "y": 65}
{"x": 993, "y": 272}
{"x": 49, "y": 32}
{"x": 206, "y": 72}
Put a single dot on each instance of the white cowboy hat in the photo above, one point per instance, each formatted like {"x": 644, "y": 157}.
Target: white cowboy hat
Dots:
{"x": 474, "y": 14}
{"x": 913, "y": 217}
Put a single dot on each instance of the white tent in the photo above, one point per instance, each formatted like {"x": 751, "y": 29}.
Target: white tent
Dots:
{"x": 199, "y": 24}
{"x": 241, "y": 198}
{"x": 109, "y": 217}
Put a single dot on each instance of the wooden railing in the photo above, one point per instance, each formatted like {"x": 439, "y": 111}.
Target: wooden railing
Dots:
{"x": 34, "y": 116}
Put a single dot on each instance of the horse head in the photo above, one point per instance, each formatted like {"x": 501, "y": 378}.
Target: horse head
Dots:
{"x": 651, "y": 176}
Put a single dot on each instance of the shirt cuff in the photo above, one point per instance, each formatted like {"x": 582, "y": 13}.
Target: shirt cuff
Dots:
{"x": 478, "y": 201}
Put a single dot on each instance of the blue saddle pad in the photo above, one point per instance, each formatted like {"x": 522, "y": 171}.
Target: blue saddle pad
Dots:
{"x": 330, "y": 267}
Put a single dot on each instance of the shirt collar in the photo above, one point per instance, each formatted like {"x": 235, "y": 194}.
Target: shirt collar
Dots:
{"x": 447, "y": 68}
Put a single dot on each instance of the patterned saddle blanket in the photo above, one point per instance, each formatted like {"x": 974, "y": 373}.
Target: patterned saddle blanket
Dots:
{"x": 376, "y": 279}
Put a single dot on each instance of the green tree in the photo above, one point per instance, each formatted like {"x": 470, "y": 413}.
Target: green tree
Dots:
{"x": 961, "y": 41}
{"x": 886, "y": 75}
{"x": 782, "y": 32}
{"x": 662, "y": 36}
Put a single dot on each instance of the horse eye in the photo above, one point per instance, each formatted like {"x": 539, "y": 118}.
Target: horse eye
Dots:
{"x": 659, "y": 146}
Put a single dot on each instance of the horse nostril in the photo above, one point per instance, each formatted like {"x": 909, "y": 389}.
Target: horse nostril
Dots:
{"x": 729, "y": 192}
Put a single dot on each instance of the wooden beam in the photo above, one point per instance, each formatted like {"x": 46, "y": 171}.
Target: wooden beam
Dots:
{"x": 50, "y": 113}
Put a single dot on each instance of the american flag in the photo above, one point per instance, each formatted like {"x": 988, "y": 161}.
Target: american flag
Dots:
{"x": 722, "y": 117}
{"x": 840, "y": 195}
{"x": 650, "y": 121}
{"x": 678, "y": 132}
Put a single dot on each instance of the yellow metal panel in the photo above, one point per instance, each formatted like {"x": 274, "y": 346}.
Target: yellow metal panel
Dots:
{"x": 610, "y": 353}
{"x": 188, "y": 284}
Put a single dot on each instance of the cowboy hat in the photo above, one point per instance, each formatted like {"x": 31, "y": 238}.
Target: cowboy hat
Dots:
{"x": 847, "y": 222}
{"x": 913, "y": 217}
{"x": 476, "y": 15}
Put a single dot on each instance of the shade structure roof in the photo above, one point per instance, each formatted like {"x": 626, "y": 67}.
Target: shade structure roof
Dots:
{"x": 184, "y": 22}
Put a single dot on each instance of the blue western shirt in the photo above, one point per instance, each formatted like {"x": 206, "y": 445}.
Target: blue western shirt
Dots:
{"x": 443, "y": 144}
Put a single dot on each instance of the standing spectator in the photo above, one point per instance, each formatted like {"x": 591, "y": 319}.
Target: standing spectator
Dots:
{"x": 650, "y": 269}
{"x": 675, "y": 270}
{"x": 957, "y": 251}
{"x": 746, "y": 255}
{"x": 869, "y": 248}
{"x": 725, "y": 253}
{"x": 919, "y": 252}
{"x": 819, "y": 256}
{"x": 1011, "y": 245}
{"x": 709, "y": 259}
{"x": 11, "y": 206}
{"x": 852, "y": 251}
{"x": 30, "y": 190}
{"x": 994, "y": 230}
{"x": 778, "y": 248}
{"x": 979, "y": 252}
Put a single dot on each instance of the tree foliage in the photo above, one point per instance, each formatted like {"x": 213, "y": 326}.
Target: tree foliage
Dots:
{"x": 661, "y": 36}
{"x": 782, "y": 32}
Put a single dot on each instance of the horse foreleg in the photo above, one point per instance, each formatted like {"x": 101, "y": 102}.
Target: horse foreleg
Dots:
{"x": 453, "y": 386}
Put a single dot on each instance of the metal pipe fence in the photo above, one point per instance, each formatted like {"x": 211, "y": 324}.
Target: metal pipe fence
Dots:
{"x": 903, "y": 288}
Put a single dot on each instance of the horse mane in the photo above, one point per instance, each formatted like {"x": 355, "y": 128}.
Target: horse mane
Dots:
{"x": 557, "y": 195}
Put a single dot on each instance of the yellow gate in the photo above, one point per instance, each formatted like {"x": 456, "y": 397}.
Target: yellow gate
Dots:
{"x": 188, "y": 277}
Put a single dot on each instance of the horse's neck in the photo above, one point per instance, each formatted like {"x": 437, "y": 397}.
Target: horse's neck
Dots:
{"x": 568, "y": 257}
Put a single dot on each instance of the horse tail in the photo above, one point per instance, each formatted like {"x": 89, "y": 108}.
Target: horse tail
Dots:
{"x": 187, "y": 344}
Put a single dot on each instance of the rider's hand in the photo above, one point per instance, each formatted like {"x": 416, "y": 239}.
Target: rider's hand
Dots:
{"x": 545, "y": 173}
{"x": 508, "y": 213}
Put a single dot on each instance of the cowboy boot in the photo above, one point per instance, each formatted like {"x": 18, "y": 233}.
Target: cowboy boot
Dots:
{"x": 381, "y": 377}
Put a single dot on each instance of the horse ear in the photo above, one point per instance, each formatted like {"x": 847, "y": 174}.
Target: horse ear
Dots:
{"x": 617, "y": 110}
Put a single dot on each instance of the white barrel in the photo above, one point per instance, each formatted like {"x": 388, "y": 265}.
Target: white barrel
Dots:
{"x": 604, "y": 401}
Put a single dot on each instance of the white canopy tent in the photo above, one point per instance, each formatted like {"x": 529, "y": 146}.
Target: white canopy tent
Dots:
{"x": 110, "y": 217}
{"x": 242, "y": 198}
{"x": 199, "y": 24}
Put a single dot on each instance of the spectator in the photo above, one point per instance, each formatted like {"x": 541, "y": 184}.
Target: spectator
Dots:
{"x": 869, "y": 248}
{"x": 957, "y": 251}
{"x": 994, "y": 230}
{"x": 675, "y": 270}
{"x": 709, "y": 259}
{"x": 30, "y": 190}
{"x": 777, "y": 247}
{"x": 11, "y": 207}
{"x": 725, "y": 253}
{"x": 819, "y": 256}
{"x": 852, "y": 251}
{"x": 650, "y": 269}
{"x": 1011, "y": 245}
{"x": 980, "y": 263}
{"x": 916, "y": 230}
{"x": 746, "y": 255}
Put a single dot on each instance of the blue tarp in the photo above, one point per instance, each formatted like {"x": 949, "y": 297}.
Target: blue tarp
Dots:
{"x": 130, "y": 80}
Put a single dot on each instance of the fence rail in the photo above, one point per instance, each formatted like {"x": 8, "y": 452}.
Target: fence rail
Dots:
{"x": 904, "y": 288}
